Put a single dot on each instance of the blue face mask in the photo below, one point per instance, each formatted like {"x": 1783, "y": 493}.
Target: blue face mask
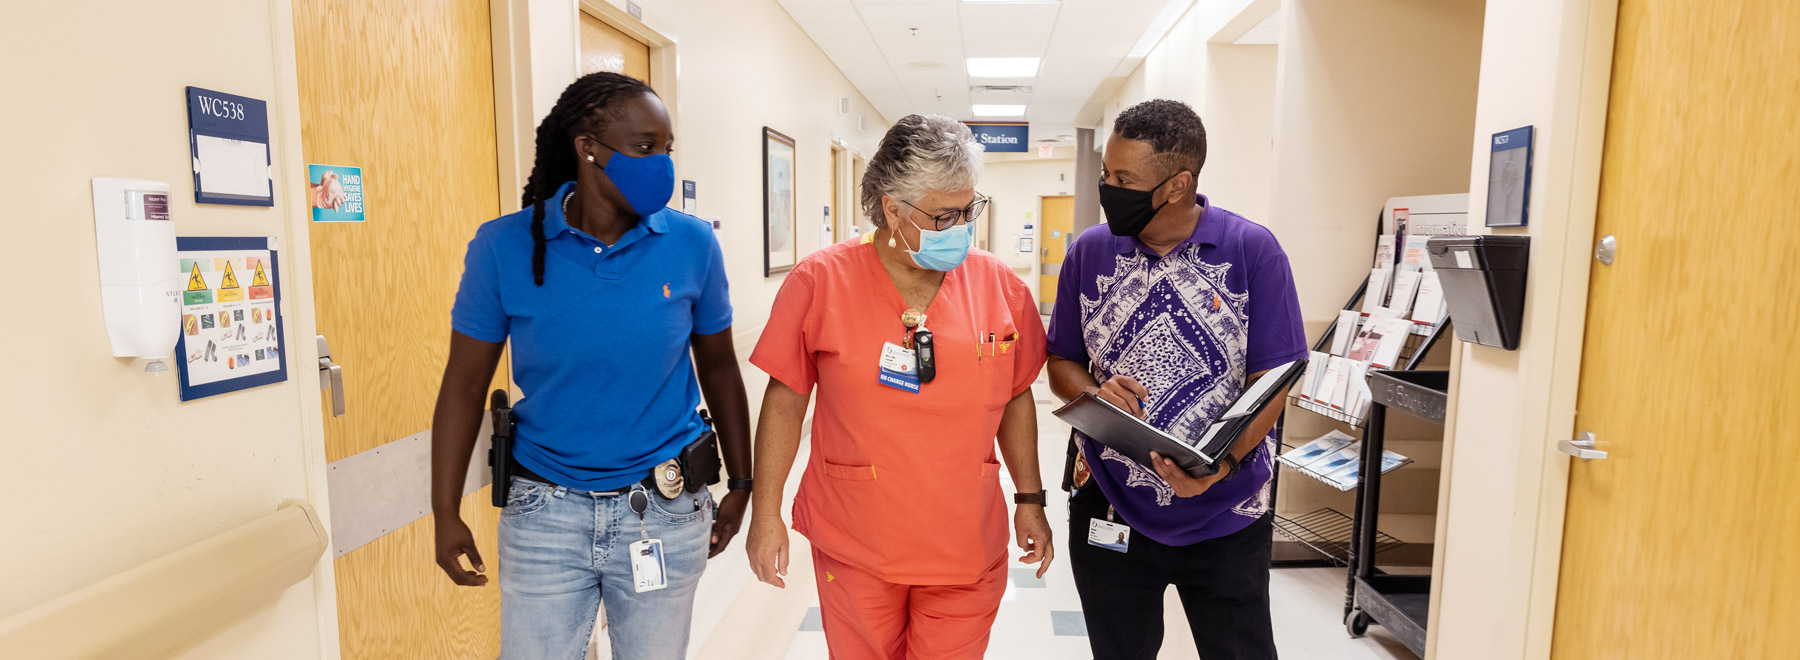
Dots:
{"x": 646, "y": 181}
{"x": 943, "y": 249}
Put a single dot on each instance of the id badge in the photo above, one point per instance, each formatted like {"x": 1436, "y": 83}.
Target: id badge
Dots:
{"x": 899, "y": 368}
{"x": 1109, "y": 535}
{"x": 647, "y": 568}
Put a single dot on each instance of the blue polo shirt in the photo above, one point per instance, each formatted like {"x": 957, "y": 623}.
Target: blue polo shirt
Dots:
{"x": 601, "y": 349}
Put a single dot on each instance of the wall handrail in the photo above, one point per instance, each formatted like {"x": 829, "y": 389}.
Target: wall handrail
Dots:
{"x": 180, "y": 597}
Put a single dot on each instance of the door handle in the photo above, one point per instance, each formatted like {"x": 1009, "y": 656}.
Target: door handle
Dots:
{"x": 331, "y": 377}
{"x": 1583, "y": 448}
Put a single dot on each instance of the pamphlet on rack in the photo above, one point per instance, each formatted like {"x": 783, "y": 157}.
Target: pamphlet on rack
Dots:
{"x": 1384, "y": 252}
{"x": 1415, "y": 257}
{"x": 1376, "y": 295}
{"x": 1335, "y": 458}
{"x": 1337, "y": 376}
{"x": 1429, "y": 307}
{"x": 1315, "y": 372}
{"x": 1391, "y": 332}
{"x": 1345, "y": 331}
{"x": 1406, "y": 285}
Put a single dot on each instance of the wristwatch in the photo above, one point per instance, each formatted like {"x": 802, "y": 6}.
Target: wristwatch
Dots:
{"x": 1037, "y": 498}
{"x": 1228, "y": 459}
{"x": 735, "y": 483}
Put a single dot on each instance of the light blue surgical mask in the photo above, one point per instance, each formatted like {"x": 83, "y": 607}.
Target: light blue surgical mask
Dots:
{"x": 941, "y": 249}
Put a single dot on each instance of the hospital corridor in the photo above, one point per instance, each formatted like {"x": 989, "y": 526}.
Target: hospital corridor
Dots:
{"x": 901, "y": 330}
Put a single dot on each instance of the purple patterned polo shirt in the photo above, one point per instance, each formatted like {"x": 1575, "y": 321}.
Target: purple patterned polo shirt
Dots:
{"x": 1189, "y": 326}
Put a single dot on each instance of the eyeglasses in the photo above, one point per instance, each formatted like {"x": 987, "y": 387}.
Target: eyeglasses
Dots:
{"x": 950, "y": 219}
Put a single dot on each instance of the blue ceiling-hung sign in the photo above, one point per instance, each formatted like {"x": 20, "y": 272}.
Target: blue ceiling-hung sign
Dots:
{"x": 1002, "y": 136}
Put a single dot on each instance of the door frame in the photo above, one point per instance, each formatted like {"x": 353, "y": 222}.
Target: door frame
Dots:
{"x": 1566, "y": 91}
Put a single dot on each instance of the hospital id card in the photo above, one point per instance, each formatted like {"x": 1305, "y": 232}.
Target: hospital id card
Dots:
{"x": 1109, "y": 535}
{"x": 648, "y": 570}
{"x": 899, "y": 368}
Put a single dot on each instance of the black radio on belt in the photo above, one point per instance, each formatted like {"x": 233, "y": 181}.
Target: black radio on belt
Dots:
{"x": 927, "y": 355}
{"x": 500, "y": 458}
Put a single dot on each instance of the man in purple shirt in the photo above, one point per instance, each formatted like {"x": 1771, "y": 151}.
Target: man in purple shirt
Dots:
{"x": 1168, "y": 312}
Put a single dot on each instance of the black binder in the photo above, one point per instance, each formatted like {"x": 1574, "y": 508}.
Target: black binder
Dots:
{"x": 1135, "y": 438}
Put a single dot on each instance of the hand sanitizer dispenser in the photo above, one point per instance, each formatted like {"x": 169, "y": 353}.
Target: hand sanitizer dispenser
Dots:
{"x": 140, "y": 278}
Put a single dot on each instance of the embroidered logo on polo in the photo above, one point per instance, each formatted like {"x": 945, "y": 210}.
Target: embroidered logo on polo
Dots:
{"x": 665, "y": 289}
{"x": 1182, "y": 333}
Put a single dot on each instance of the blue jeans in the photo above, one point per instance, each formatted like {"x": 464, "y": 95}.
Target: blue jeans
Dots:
{"x": 564, "y": 552}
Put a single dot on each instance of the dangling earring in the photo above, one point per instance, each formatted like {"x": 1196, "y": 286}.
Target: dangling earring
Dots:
{"x": 891, "y": 239}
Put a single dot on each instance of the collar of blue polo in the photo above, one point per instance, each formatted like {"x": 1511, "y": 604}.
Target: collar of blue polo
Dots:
{"x": 1208, "y": 231}
{"x": 555, "y": 224}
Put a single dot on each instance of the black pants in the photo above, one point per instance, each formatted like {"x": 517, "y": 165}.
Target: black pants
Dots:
{"x": 1223, "y": 584}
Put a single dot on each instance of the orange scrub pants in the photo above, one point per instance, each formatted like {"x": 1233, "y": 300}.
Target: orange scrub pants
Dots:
{"x": 867, "y": 618}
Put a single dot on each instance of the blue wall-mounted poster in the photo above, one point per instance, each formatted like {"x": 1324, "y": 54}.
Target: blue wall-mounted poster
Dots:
{"x": 228, "y": 140}
{"x": 232, "y": 337}
{"x": 1509, "y": 179}
{"x": 1001, "y": 137}
{"x": 335, "y": 193}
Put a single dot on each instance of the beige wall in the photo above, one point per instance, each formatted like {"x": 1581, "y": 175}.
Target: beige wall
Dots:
{"x": 744, "y": 65}
{"x": 1233, "y": 90}
{"x": 1016, "y": 186}
{"x": 1376, "y": 100}
{"x": 107, "y": 469}
{"x": 1507, "y": 484}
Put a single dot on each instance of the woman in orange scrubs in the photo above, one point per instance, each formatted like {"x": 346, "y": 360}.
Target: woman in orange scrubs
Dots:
{"x": 901, "y": 496}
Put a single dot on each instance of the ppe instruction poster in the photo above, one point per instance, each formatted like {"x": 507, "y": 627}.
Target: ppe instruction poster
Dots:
{"x": 335, "y": 193}
{"x": 231, "y": 331}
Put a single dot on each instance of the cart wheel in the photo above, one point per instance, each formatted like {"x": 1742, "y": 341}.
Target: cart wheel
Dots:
{"x": 1356, "y": 623}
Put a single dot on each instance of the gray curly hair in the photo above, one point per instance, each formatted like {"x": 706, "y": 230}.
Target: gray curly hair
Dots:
{"x": 920, "y": 153}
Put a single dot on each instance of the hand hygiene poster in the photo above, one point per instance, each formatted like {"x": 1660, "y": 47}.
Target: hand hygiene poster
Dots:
{"x": 230, "y": 326}
{"x": 335, "y": 193}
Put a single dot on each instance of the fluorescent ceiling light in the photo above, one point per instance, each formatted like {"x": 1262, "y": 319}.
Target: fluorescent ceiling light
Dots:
{"x": 984, "y": 110}
{"x": 1003, "y": 67}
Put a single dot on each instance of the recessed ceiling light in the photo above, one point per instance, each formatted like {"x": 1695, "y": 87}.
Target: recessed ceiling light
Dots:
{"x": 985, "y": 110}
{"x": 1003, "y": 67}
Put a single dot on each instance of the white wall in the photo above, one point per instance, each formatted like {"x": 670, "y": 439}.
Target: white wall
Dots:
{"x": 106, "y": 469}
{"x": 1016, "y": 186}
{"x": 1507, "y": 485}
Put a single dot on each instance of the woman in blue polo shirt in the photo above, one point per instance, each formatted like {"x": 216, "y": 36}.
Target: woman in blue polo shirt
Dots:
{"x": 603, "y": 292}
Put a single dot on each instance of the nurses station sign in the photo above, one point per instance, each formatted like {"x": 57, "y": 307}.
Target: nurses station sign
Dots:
{"x": 1002, "y": 136}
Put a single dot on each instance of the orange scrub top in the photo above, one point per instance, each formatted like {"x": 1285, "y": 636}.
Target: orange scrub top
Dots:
{"x": 903, "y": 485}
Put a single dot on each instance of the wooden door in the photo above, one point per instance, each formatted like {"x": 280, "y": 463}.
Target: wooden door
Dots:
{"x": 1053, "y": 240}
{"x": 408, "y": 95}
{"x": 1681, "y": 542}
{"x": 605, "y": 48}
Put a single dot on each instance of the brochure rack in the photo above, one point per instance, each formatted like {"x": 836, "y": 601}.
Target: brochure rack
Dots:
{"x": 1397, "y": 602}
{"x": 1328, "y": 531}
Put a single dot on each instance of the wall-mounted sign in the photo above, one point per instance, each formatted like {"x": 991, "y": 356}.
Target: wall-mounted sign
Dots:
{"x": 335, "y": 193}
{"x": 228, "y": 140}
{"x": 690, "y": 197}
{"x": 1509, "y": 179}
{"x": 1002, "y": 136}
{"x": 231, "y": 333}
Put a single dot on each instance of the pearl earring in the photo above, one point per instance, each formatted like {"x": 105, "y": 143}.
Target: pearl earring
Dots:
{"x": 590, "y": 159}
{"x": 890, "y": 240}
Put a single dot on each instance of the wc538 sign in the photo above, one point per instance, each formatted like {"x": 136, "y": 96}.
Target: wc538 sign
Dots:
{"x": 1002, "y": 137}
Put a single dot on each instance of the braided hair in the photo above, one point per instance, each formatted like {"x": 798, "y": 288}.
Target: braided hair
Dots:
{"x": 582, "y": 109}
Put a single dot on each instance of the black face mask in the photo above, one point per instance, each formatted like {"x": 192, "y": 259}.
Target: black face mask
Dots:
{"x": 1129, "y": 211}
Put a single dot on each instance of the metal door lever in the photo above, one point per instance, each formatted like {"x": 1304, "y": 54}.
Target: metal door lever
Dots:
{"x": 331, "y": 377}
{"x": 1583, "y": 448}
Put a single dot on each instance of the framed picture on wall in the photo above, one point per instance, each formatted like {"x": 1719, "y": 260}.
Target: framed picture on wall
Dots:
{"x": 780, "y": 212}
